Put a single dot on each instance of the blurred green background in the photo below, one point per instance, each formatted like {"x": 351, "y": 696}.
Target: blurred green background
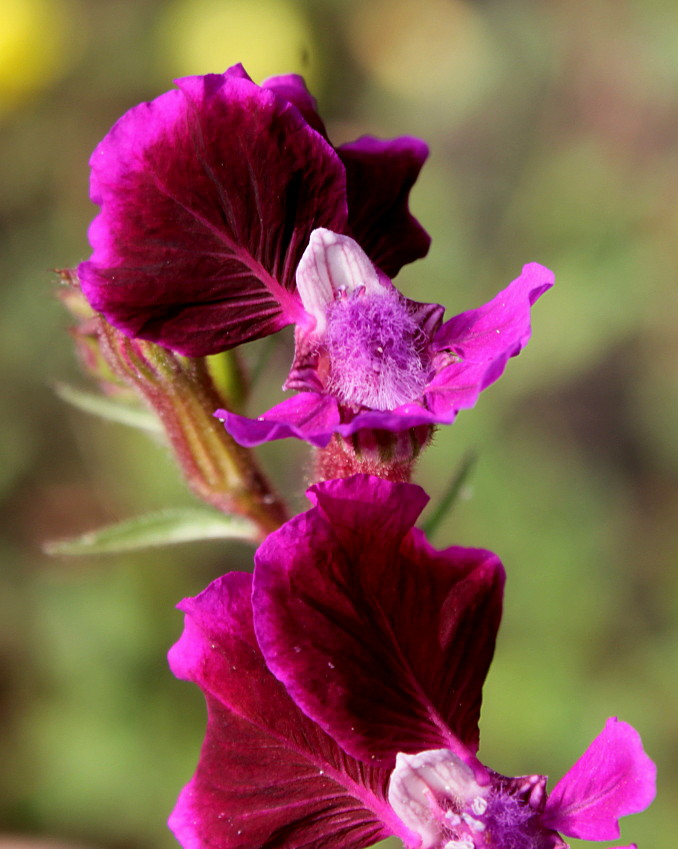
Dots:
{"x": 553, "y": 134}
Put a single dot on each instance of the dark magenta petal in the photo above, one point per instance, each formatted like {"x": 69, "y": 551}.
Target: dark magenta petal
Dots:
{"x": 381, "y": 639}
{"x": 293, "y": 88}
{"x": 474, "y": 347}
{"x": 267, "y": 776}
{"x": 379, "y": 176}
{"x": 208, "y": 197}
{"x": 613, "y": 778}
{"x": 305, "y": 416}
{"x": 389, "y": 509}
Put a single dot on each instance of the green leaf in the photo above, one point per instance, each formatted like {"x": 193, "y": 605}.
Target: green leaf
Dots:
{"x": 451, "y": 494}
{"x": 107, "y": 408}
{"x": 167, "y": 527}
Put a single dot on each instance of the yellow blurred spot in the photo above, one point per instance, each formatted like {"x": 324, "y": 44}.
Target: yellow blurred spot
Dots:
{"x": 33, "y": 47}
{"x": 207, "y": 36}
{"x": 426, "y": 51}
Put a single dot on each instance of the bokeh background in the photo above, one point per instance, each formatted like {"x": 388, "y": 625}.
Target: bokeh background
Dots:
{"x": 553, "y": 134}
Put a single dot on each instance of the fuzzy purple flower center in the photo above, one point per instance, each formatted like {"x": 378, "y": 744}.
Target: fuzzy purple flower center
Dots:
{"x": 499, "y": 820}
{"x": 514, "y": 824}
{"x": 376, "y": 350}
{"x": 438, "y": 797}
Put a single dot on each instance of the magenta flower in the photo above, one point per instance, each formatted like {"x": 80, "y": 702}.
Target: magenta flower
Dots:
{"x": 368, "y": 358}
{"x": 344, "y": 692}
{"x": 208, "y": 197}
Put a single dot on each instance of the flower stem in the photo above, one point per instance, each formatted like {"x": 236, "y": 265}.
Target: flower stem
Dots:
{"x": 183, "y": 395}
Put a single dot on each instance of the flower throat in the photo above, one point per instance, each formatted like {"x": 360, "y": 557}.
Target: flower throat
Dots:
{"x": 375, "y": 350}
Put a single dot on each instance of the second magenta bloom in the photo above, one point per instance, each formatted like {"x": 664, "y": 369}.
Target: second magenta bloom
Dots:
{"x": 344, "y": 691}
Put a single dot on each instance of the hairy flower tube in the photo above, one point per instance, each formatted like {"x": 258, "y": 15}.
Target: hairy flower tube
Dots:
{"x": 343, "y": 685}
{"x": 369, "y": 359}
{"x": 208, "y": 197}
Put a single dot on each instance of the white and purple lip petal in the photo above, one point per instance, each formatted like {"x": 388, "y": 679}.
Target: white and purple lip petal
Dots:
{"x": 373, "y": 348}
{"x": 368, "y": 358}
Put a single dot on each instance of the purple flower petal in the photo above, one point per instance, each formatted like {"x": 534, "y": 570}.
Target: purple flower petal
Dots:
{"x": 391, "y": 508}
{"x": 381, "y": 639}
{"x": 208, "y": 196}
{"x": 614, "y": 777}
{"x": 474, "y": 347}
{"x": 379, "y": 176}
{"x": 467, "y": 354}
{"x": 293, "y": 88}
{"x": 267, "y": 775}
{"x": 315, "y": 418}
{"x": 305, "y": 416}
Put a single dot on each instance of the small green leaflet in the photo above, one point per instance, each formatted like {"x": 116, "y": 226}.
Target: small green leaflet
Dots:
{"x": 107, "y": 408}
{"x": 451, "y": 494}
{"x": 167, "y": 527}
